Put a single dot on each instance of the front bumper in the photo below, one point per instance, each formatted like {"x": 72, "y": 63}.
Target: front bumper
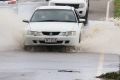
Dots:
{"x": 41, "y": 40}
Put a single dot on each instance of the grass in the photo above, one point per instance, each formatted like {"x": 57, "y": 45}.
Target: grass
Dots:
{"x": 117, "y": 8}
{"x": 110, "y": 76}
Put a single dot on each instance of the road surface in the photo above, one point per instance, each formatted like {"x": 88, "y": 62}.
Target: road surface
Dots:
{"x": 55, "y": 65}
{"x": 98, "y": 9}
{"x": 23, "y": 65}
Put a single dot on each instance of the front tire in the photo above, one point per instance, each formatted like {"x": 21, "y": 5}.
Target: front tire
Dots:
{"x": 26, "y": 48}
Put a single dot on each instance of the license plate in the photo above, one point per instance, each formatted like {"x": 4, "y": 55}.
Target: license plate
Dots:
{"x": 50, "y": 40}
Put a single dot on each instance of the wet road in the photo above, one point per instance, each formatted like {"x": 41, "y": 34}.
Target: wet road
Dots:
{"x": 22, "y": 65}
{"x": 98, "y": 9}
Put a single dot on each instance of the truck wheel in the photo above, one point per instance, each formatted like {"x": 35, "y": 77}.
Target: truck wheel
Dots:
{"x": 86, "y": 18}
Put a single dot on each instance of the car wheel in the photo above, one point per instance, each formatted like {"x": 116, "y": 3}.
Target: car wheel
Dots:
{"x": 26, "y": 48}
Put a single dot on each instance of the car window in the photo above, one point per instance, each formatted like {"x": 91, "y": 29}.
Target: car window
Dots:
{"x": 53, "y": 15}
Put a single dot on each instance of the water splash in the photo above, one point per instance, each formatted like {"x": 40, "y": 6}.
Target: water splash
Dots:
{"x": 11, "y": 30}
{"x": 99, "y": 36}
{"x": 102, "y": 37}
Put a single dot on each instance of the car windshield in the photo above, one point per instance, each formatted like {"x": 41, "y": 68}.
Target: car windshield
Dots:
{"x": 53, "y": 15}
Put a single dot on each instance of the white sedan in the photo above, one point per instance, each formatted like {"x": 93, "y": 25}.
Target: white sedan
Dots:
{"x": 53, "y": 25}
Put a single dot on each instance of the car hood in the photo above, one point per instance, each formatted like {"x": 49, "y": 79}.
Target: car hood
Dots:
{"x": 53, "y": 26}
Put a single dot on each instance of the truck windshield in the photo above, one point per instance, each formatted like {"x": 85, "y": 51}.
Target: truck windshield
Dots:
{"x": 53, "y": 15}
{"x": 72, "y": 5}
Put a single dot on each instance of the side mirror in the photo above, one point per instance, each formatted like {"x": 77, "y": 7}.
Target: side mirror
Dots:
{"x": 26, "y": 21}
{"x": 81, "y": 20}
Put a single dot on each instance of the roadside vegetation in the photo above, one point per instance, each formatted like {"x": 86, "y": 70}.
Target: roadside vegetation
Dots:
{"x": 117, "y": 8}
{"x": 113, "y": 75}
{"x": 110, "y": 76}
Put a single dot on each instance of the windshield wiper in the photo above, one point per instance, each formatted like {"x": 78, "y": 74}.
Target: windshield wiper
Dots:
{"x": 48, "y": 21}
{"x": 54, "y": 21}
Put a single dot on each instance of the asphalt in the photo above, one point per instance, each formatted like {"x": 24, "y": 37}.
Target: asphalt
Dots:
{"x": 55, "y": 65}
{"x": 98, "y": 9}
{"x": 23, "y": 65}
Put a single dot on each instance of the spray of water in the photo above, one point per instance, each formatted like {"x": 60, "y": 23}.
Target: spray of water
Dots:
{"x": 11, "y": 30}
{"x": 102, "y": 37}
{"x": 98, "y": 37}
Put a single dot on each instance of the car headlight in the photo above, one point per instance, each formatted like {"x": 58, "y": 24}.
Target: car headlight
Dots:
{"x": 69, "y": 33}
{"x": 82, "y": 5}
{"x": 35, "y": 33}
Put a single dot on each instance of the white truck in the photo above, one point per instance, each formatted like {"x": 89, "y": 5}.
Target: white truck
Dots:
{"x": 82, "y": 6}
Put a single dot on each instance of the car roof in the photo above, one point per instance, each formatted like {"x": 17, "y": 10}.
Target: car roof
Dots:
{"x": 55, "y": 7}
{"x": 67, "y": 1}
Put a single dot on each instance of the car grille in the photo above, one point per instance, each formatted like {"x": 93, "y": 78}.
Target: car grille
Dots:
{"x": 50, "y": 33}
{"x": 72, "y": 5}
{"x": 58, "y": 42}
